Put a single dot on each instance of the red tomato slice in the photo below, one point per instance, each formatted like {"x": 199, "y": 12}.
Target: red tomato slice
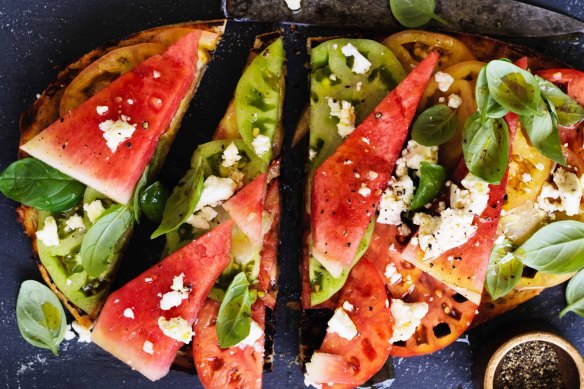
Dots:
{"x": 347, "y": 187}
{"x": 269, "y": 255}
{"x": 572, "y": 79}
{"x": 365, "y": 354}
{"x": 449, "y": 313}
{"x": 233, "y": 367}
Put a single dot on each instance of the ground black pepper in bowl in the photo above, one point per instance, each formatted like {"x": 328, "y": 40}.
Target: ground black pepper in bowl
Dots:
{"x": 533, "y": 365}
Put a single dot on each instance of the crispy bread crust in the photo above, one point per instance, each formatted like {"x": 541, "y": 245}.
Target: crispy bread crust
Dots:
{"x": 45, "y": 111}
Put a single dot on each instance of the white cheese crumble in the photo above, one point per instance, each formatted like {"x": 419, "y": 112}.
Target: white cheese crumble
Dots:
{"x": 474, "y": 198}
{"x": 101, "y": 109}
{"x": 94, "y": 210}
{"x": 84, "y": 334}
{"x": 176, "y": 328}
{"x": 255, "y": 332}
{"x": 116, "y": 132}
{"x": 293, "y": 5}
{"x": 148, "y": 347}
{"x": 311, "y": 154}
{"x": 358, "y": 86}
{"x": 333, "y": 77}
{"x": 261, "y": 144}
{"x": 148, "y": 280}
{"x": 396, "y": 199}
{"x": 346, "y": 114}
{"x": 364, "y": 191}
{"x": 202, "y": 218}
{"x": 49, "y": 235}
{"x": 175, "y": 297}
{"x": 347, "y": 306}
{"x": 129, "y": 313}
{"x": 230, "y": 155}
{"x": 444, "y": 80}
{"x": 540, "y": 166}
{"x": 406, "y": 318}
{"x": 69, "y": 334}
{"x": 526, "y": 177}
{"x": 371, "y": 175}
{"x": 392, "y": 274}
{"x": 342, "y": 325}
{"x": 454, "y": 101}
{"x": 215, "y": 191}
{"x": 415, "y": 153}
{"x": 564, "y": 195}
{"x": 156, "y": 74}
{"x": 75, "y": 222}
{"x": 361, "y": 65}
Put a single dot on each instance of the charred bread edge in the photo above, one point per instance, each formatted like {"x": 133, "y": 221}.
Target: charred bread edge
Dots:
{"x": 45, "y": 111}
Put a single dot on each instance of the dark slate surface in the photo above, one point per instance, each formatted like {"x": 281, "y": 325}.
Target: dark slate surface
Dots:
{"x": 39, "y": 37}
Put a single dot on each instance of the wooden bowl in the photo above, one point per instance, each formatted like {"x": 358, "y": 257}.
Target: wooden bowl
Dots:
{"x": 571, "y": 362}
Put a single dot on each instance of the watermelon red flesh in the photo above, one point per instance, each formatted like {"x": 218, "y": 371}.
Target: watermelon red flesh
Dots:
{"x": 233, "y": 367}
{"x": 148, "y": 96}
{"x": 467, "y": 275}
{"x": 201, "y": 262}
{"x": 269, "y": 255}
{"x": 339, "y": 213}
{"x": 246, "y": 208}
{"x": 365, "y": 354}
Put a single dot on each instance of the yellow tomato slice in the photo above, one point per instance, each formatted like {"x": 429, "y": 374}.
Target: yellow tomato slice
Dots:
{"x": 412, "y": 46}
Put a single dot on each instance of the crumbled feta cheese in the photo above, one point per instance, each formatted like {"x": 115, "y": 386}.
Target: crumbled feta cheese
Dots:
{"x": 230, "y": 155}
{"x": 333, "y": 77}
{"x": 75, "y": 222}
{"x": 175, "y": 297}
{"x": 311, "y": 154}
{"x": 364, "y": 190}
{"x": 148, "y": 280}
{"x": 202, "y": 218}
{"x": 415, "y": 153}
{"x": 101, "y": 109}
{"x": 129, "y": 313}
{"x": 441, "y": 99}
{"x": 403, "y": 230}
{"x": 215, "y": 191}
{"x": 293, "y": 5}
{"x": 346, "y": 114}
{"x": 454, "y": 101}
{"x": 156, "y": 74}
{"x": 255, "y": 332}
{"x": 176, "y": 328}
{"x": 148, "y": 347}
{"x": 69, "y": 334}
{"x": 361, "y": 65}
{"x": 540, "y": 166}
{"x": 526, "y": 177}
{"x": 261, "y": 144}
{"x": 94, "y": 210}
{"x": 438, "y": 234}
{"x": 116, "y": 132}
{"x": 569, "y": 189}
{"x": 69, "y": 281}
{"x": 366, "y": 140}
{"x": 342, "y": 325}
{"x": 444, "y": 80}
{"x": 396, "y": 199}
{"x": 84, "y": 334}
{"x": 347, "y": 306}
{"x": 406, "y": 318}
{"x": 392, "y": 274}
{"x": 474, "y": 198}
{"x": 371, "y": 175}
{"x": 313, "y": 375}
{"x": 49, "y": 235}
{"x": 130, "y": 102}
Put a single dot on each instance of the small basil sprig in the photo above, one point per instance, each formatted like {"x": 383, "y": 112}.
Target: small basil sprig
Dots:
{"x": 34, "y": 183}
{"x": 40, "y": 316}
{"x": 513, "y": 88}
{"x": 575, "y": 295}
{"x": 234, "y": 317}
{"x": 414, "y": 13}
{"x": 485, "y": 145}
{"x": 556, "y": 248}
{"x": 104, "y": 238}
{"x": 435, "y": 126}
{"x": 487, "y": 106}
{"x": 504, "y": 270}
{"x": 153, "y": 200}
{"x": 182, "y": 202}
{"x": 543, "y": 133}
{"x": 569, "y": 112}
{"x": 432, "y": 179}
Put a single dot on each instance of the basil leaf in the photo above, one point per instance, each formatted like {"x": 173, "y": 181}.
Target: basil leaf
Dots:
{"x": 34, "y": 183}
{"x": 513, "y": 88}
{"x": 435, "y": 126}
{"x": 485, "y": 146}
{"x": 234, "y": 317}
{"x": 152, "y": 201}
{"x": 414, "y": 13}
{"x": 136, "y": 210}
{"x": 556, "y": 248}
{"x": 568, "y": 110}
{"x": 544, "y": 134}
{"x": 104, "y": 238}
{"x": 504, "y": 270}
{"x": 432, "y": 180}
{"x": 40, "y": 316}
{"x": 575, "y": 295}
{"x": 487, "y": 106}
{"x": 182, "y": 202}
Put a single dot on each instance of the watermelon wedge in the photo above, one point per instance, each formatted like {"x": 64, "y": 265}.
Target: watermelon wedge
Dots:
{"x": 128, "y": 326}
{"x": 246, "y": 208}
{"x": 107, "y": 142}
{"x": 347, "y": 186}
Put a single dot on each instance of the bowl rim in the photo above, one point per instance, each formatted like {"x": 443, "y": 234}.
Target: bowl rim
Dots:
{"x": 544, "y": 336}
